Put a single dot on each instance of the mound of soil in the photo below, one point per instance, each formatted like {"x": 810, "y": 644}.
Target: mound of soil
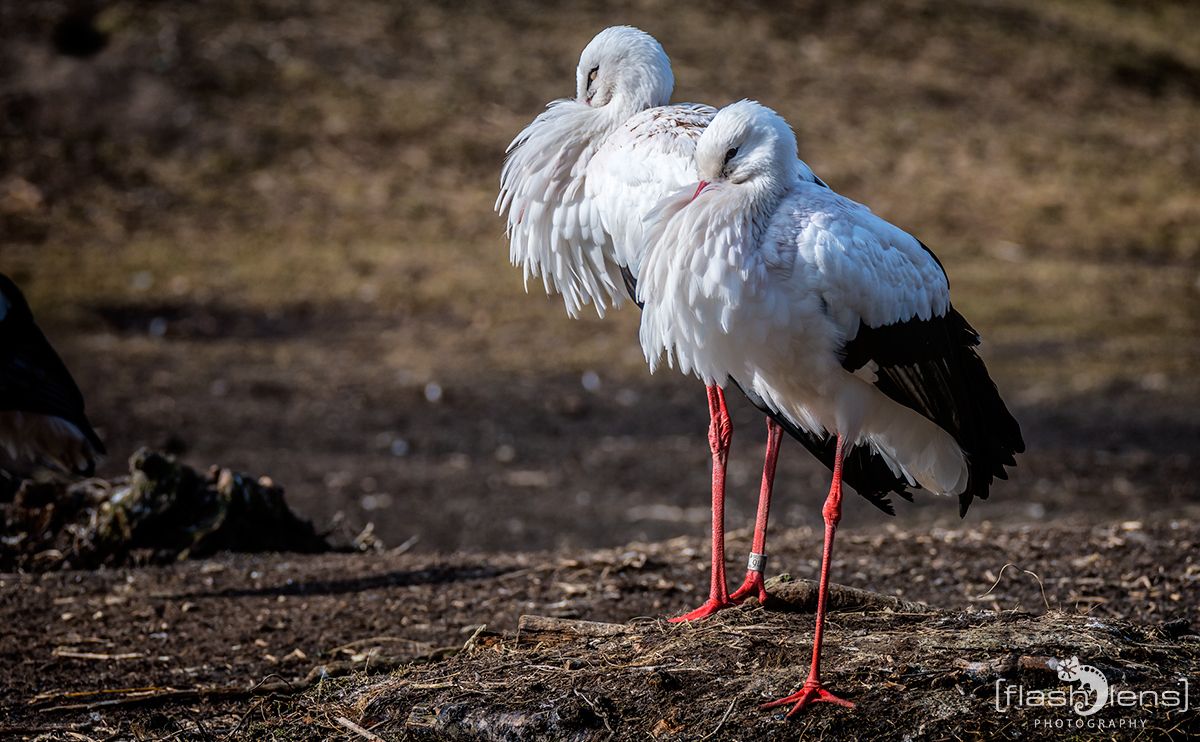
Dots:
{"x": 163, "y": 511}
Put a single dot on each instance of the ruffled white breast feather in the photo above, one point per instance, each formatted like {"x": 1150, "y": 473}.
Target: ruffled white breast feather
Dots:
{"x": 646, "y": 159}
{"x": 554, "y": 228}
{"x": 699, "y": 266}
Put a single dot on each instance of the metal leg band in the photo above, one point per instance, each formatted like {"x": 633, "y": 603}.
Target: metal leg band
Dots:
{"x": 757, "y": 562}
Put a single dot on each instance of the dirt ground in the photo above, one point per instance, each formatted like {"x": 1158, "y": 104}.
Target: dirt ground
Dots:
{"x": 156, "y": 653}
{"x": 260, "y": 234}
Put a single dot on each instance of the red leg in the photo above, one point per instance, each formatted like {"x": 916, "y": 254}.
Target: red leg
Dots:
{"x": 813, "y": 691}
{"x": 753, "y": 584}
{"x": 720, "y": 436}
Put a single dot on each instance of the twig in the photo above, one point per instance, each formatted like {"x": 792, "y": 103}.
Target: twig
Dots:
{"x": 375, "y": 640}
{"x": 603, "y": 716}
{"x": 471, "y": 642}
{"x": 58, "y": 695}
{"x": 720, "y": 723}
{"x": 40, "y": 732}
{"x": 517, "y": 573}
{"x": 1031, "y": 574}
{"x": 432, "y": 686}
{"x": 72, "y": 654}
{"x": 148, "y": 696}
{"x": 406, "y": 546}
{"x": 365, "y": 734}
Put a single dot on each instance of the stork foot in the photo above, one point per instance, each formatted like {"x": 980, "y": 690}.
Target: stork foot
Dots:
{"x": 753, "y": 586}
{"x": 711, "y": 606}
{"x": 812, "y": 692}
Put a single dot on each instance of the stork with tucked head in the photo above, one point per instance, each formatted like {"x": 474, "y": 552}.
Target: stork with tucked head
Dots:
{"x": 841, "y": 321}
{"x": 553, "y": 184}
{"x": 42, "y": 422}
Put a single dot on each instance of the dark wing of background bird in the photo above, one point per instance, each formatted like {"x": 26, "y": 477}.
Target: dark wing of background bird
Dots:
{"x": 931, "y": 367}
{"x": 33, "y": 379}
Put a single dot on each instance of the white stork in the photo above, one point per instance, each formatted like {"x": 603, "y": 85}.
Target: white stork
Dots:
{"x": 578, "y": 180}
{"x": 42, "y": 422}
{"x": 839, "y": 321}
{"x": 576, "y": 189}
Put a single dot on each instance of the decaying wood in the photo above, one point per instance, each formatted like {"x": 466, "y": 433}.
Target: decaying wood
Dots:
{"x": 800, "y": 596}
{"x": 1007, "y": 665}
{"x": 537, "y": 628}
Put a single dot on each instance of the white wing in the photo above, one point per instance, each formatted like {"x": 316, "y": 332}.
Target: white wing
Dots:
{"x": 554, "y": 228}
{"x": 642, "y": 162}
{"x": 863, "y": 267}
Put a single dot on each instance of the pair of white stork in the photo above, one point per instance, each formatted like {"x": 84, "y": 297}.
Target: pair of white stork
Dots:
{"x": 751, "y": 271}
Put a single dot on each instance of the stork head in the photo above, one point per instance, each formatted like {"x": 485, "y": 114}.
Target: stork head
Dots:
{"x": 625, "y": 67}
{"x": 748, "y": 143}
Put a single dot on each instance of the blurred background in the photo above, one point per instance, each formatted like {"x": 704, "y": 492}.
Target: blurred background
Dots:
{"x": 261, "y": 235}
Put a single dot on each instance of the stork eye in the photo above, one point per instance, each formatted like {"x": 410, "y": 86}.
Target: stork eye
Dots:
{"x": 592, "y": 75}
{"x": 732, "y": 153}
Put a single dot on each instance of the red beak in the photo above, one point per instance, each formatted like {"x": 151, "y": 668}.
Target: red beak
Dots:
{"x": 703, "y": 184}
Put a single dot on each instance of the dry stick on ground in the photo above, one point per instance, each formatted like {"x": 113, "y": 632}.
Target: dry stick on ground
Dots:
{"x": 364, "y": 733}
{"x": 72, "y": 654}
{"x": 720, "y": 723}
{"x": 800, "y": 596}
{"x": 169, "y": 695}
{"x": 530, "y": 626}
{"x": 124, "y": 697}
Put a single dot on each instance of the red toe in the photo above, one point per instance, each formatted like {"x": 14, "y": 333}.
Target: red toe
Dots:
{"x": 812, "y": 692}
{"x": 752, "y": 586}
{"x": 711, "y": 606}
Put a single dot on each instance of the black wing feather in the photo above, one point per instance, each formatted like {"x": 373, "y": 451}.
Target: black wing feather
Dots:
{"x": 32, "y": 376}
{"x": 931, "y": 367}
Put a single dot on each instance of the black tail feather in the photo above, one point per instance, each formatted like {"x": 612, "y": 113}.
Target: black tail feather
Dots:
{"x": 930, "y": 366}
{"x": 989, "y": 435}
